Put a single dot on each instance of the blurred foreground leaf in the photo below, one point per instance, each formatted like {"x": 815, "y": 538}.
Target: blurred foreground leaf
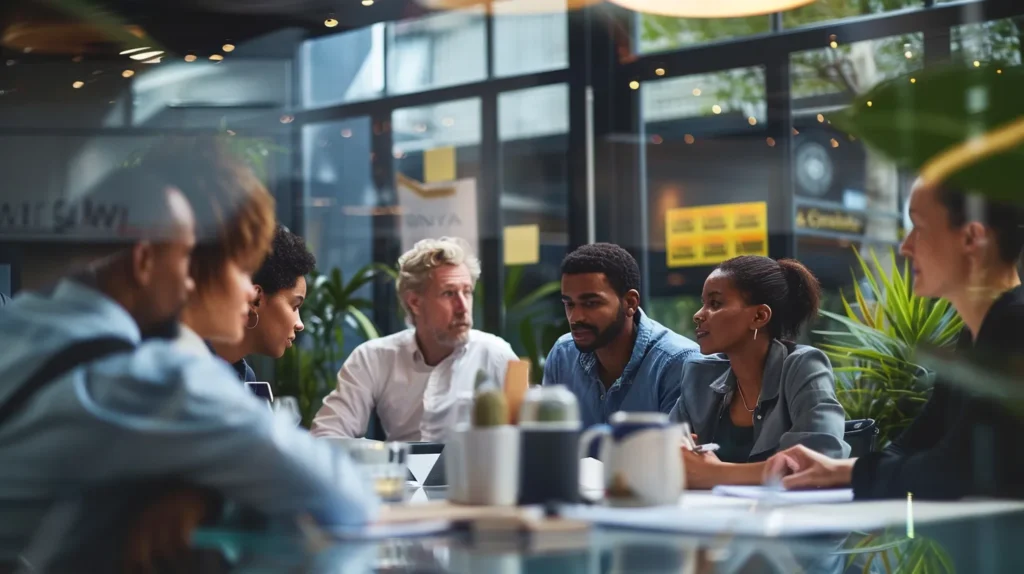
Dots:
{"x": 916, "y": 118}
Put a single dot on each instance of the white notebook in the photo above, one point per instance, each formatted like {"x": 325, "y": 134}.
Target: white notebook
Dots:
{"x": 818, "y": 496}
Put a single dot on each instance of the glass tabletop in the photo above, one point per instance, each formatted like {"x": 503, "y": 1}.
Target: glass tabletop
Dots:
{"x": 981, "y": 544}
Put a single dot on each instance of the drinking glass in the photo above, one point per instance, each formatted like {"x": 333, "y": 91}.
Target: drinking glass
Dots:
{"x": 288, "y": 408}
{"x": 384, "y": 465}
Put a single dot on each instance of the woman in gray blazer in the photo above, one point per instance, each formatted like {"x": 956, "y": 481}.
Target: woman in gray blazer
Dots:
{"x": 753, "y": 392}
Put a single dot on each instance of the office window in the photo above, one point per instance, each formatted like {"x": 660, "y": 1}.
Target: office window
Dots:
{"x": 844, "y": 194}
{"x": 435, "y": 51}
{"x": 661, "y": 33}
{"x": 706, "y": 148}
{"x": 526, "y": 42}
{"x": 533, "y": 127}
{"x": 344, "y": 67}
{"x": 998, "y": 41}
{"x": 830, "y": 10}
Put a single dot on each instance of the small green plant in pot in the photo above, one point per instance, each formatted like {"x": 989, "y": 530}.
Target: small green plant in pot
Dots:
{"x": 308, "y": 370}
{"x": 874, "y": 357}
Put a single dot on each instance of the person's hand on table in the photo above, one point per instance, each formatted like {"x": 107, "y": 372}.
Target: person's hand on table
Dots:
{"x": 703, "y": 470}
{"x": 163, "y": 529}
{"x": 800, "y": 467}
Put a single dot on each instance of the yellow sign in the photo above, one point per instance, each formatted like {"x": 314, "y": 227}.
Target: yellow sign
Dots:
{"x": 439, "y": 165}
{"x": 713, "y": 233}
{"x": 522, "y": 244}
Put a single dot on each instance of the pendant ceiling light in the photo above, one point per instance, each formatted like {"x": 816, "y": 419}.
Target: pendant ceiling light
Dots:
{"x": 510, "y": 6}
{"x": 711, "y": 8}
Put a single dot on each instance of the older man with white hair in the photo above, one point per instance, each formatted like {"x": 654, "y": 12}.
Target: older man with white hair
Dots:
{"x": 413, "y": 378}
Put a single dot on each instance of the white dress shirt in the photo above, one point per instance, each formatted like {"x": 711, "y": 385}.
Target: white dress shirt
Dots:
{"x": 413, "y": 400}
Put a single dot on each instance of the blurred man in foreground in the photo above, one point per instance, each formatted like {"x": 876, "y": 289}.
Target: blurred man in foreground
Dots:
{"x": 95, "y": 423}
{"x": 964, "y": 249}
{"x": 413, "y": 378}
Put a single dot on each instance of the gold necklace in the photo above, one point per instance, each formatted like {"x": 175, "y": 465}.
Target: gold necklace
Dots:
{"x": 743, "y": 399}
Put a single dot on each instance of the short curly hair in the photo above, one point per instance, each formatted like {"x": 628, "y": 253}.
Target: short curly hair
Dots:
{"x": 289, "y": 259}
{"x": 616, "y": 263}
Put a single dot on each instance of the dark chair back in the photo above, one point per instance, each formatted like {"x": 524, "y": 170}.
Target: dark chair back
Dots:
{"x": 862, "y": 436}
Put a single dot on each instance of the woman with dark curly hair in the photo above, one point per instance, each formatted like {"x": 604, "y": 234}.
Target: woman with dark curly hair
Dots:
{"x": 280, "y": 285}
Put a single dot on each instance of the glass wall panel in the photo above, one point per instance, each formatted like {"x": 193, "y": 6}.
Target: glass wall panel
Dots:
{"x": 345, "y": 67}
{"x": 527, "y": 42}
{"x": 340, "y": 199}
{"x": 845, "y": 196}
{"x": 830, "y": 10}
{"x": 435, "y": 51}
{"x": 533, "y": 126}
{"x": 988, "y": 42}
{"x": 705, "y": 146}
{"x": 661, "y": 33}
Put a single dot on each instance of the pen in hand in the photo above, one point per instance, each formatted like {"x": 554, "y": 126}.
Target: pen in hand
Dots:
{"x": 709, "y": 447}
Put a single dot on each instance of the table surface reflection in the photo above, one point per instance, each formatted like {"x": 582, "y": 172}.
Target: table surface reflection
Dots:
{"x": 985, "y": 544}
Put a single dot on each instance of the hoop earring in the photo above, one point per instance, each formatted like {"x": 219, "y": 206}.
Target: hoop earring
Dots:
{"x": 755, "y": 333}
{"x": 256, "y": 323}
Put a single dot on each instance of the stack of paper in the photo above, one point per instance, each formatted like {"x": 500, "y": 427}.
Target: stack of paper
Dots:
{"x": 776, "y": 496}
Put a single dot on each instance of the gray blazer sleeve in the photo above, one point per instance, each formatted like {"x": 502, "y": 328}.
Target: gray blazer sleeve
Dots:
{"x": 819, "y": 421}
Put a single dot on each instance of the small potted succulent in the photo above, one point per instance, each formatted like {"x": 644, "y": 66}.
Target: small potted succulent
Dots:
{"x": 483, "y": 468}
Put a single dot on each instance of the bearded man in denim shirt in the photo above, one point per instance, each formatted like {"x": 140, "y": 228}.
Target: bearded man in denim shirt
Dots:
{"x": 615, "y": 358}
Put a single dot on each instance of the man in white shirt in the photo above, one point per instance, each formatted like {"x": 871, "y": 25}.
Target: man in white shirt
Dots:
{"x": 413, "y": 378}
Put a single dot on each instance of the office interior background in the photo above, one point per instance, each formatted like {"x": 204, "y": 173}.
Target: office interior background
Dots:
{"x": 563, "y": 122}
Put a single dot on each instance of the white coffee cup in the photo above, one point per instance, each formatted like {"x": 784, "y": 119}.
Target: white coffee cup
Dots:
{"x": 643, "y": 465}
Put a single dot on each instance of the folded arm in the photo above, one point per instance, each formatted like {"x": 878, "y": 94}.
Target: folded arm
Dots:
{"x": 194, "y": 422}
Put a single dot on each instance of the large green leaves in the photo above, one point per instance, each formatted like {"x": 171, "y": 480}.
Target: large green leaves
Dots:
{"x": 877, "y": 373}
{"x": 914, "y": 118}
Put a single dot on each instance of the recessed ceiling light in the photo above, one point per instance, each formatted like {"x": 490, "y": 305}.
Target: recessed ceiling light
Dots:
{"x": 78, "y": 84}
{"x": 367, "y": 2}
{"x": 133, "y": 50}
{"x": 216, "y": 57}
{"x": 228, "y": 47}
{"x": 153, "y": 61}
{"x": 659, "y": 71}
{"x": 146, "y": 55}
{"x": 190, "y": 58}
{"x": 330, "y": 22}
{"x": 634, "y": 85}
{"x": 127, "y": 73}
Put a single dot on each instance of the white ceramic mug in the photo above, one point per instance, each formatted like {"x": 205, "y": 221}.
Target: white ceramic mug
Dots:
{"x": 483, "y": 465}
{"x": 642, "y": 462}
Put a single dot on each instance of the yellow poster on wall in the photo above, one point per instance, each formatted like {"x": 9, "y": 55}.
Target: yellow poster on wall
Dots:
{"x": 710, "y": 234}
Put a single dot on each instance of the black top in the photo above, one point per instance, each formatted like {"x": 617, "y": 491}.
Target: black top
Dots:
{"x": 734, "y": 442}
{"x": 961, "y": 444}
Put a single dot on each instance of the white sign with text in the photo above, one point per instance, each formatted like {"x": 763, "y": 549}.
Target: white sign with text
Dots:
{"x": 443, "y": 209}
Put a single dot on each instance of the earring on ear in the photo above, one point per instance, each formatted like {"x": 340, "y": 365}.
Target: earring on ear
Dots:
{"x": 256, "y": 323}
{"x": 755, "y": 333}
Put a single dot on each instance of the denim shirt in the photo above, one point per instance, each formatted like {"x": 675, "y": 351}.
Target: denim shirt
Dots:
{"x": 798, "y": 403}
{"x": 650, "y": 381}
{"x": 148, "y": 415}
